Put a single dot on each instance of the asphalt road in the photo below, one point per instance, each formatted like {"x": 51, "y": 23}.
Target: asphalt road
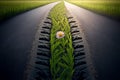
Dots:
{"x": 16, "y": 37}
{"x": 103, "y": 37}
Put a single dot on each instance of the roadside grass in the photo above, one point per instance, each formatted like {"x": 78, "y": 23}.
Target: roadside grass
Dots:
{"x": 108, "y": 7}
{"x": 62, "y": 59}
{"x": 12, "y": 8}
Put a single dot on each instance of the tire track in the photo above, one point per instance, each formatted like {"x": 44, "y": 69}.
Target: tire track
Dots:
{"x": 40, "y": 62}
{"x": 80, "y": 65}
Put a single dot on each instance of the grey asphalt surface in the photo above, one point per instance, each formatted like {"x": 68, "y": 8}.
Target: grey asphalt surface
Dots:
{"x": 16, "y": 37}
{"x": 103, "y": 37}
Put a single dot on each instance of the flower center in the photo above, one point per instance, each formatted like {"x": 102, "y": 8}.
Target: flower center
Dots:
{"x": 60, "y": 34}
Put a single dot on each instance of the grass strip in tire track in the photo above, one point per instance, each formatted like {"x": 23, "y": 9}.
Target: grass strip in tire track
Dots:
{"x": 62, "y": 59}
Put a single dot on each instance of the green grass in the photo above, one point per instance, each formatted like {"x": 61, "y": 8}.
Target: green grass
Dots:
{"x": 105, "y": 7}
{"x": 62, "y": 60}
{"x": 12, "y": 8}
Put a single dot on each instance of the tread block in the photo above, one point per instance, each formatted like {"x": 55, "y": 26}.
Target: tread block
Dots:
{"x": 48, "y": 22}
{"x": 78, "y": 49}
{"x": 43, "y": 46}
{"x": 42, "y": 75}
{"x": 74, "y": 34}
{"x": 41, "y": 57}
{"x": 72, "y": 21}
{"x": 80, "y": 63}
{"x": 41, "y": 67}
{"x": 77, "y": 37}
{"x": 74, "y": 26}
{"x": 44, "y": 35}
{"x": 77, "y": 41}
{"x": 43, "y": 49}
{"x": 80, "y": 43}
{"x": 70, "y": 17}
{"x": 46, "y": 27}
{"x": 78, "y": 46}
{"x": 44, "y": 42}
{"x": 80, "y": 68}
{"x": 48, "y": 17}
{"x": 45, "y": 32}
{"x": 79, "y": 57}
{"x": 79, "y": 53}
{"x": 42, "y": 60}
{"x": 43, "y": 54}
{"x": 79, "y": 76}
{"x": 75, "y": 31}
{"x": 42, "y": 63}
{"x": 44, "y": 39}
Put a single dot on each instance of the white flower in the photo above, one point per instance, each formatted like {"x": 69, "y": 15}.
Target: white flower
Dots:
{"x": 60, "y": 34}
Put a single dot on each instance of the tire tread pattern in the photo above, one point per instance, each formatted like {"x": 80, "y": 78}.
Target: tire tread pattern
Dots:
{"x": 80, "y": 66}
